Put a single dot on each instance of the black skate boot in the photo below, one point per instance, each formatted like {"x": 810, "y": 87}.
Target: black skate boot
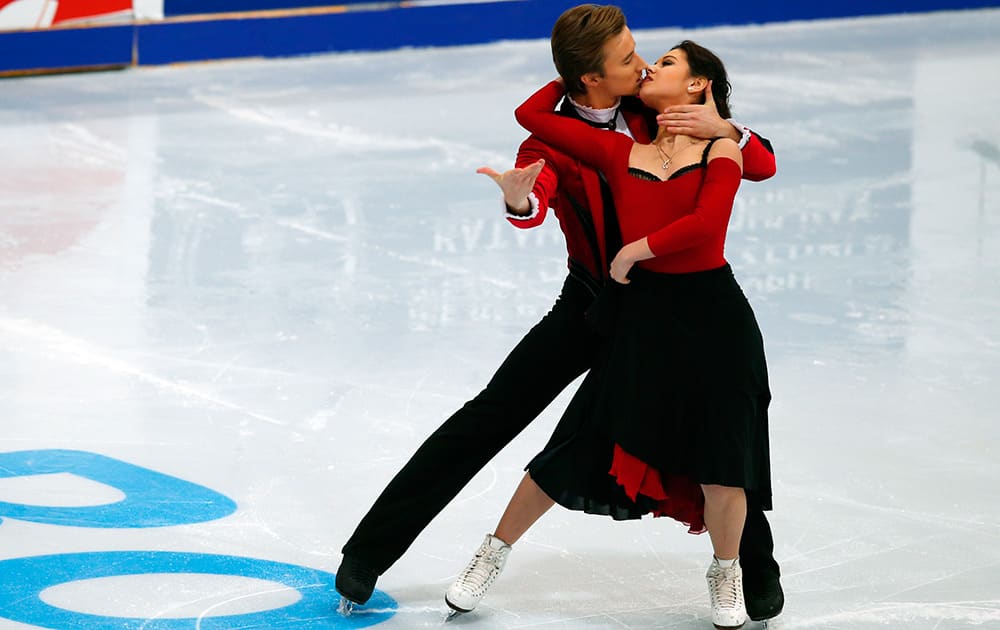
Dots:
{"x": 355, "y": 580}
{"x": 762, "y": 594}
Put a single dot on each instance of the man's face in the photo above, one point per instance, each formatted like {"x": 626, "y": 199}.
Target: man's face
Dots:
{"x": 622, "y": 66}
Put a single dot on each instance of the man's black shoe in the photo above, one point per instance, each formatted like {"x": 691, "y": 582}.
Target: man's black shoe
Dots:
{"x": 763, "y": 595}
{"x": 355, "y": 580}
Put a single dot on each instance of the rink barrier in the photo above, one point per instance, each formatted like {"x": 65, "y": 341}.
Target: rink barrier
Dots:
{"x": 64, "y": 49}
{"x": 233, "y": 31}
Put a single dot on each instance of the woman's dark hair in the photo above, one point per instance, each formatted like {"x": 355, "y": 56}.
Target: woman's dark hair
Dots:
{"x": 705, "y": 63}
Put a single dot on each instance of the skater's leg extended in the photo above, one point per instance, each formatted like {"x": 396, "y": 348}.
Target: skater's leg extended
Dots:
{"x": 555, "y": 352}
{"x": 527, "y": 505}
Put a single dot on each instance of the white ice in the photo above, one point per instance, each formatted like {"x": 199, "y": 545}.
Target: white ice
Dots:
{"x": 275, "y": 278}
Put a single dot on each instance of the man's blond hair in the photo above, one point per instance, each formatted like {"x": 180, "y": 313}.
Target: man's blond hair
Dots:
{"x": 578, "y": 40}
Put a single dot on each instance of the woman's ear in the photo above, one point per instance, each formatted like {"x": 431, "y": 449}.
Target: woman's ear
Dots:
{"x": 696, "y": 85}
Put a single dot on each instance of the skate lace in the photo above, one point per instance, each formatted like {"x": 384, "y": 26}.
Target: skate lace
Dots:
{"x": 725, "y": 588}
{"x": 481, "y": 571}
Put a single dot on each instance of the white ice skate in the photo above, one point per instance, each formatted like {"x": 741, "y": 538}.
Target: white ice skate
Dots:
{"x": 725, "y": 588}
{"x": 472, "y": 584}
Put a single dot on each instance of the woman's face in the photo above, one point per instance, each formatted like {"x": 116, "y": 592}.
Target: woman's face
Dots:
{"x": 668, "y": 79}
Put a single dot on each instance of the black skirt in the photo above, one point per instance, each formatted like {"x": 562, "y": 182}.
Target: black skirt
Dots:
{"x": 680, "y": 384}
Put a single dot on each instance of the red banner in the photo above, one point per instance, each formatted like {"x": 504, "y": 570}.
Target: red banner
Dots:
{"x": 32, "y": 14}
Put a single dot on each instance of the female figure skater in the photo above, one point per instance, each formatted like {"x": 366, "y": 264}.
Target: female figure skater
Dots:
{"x": 673, "y": 418}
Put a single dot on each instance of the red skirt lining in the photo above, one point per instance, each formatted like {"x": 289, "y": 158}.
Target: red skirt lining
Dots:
{"x": 677, "y": 496}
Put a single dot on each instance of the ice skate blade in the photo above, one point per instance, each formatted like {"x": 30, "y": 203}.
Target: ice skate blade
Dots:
{"x": 771, "y": 623}
{"x": 718, "y": 627}
{"x": 346, "y": 607}
{"x": 453, "y": 614}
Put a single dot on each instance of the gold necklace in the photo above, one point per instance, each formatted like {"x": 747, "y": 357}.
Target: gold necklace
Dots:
{"x": 666, "y": 158}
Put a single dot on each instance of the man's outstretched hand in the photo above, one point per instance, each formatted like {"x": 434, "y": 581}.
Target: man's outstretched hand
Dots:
{"x": 515, "y": 184}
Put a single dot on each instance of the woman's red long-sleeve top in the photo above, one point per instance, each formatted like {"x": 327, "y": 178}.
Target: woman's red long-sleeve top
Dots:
{"x": 683, "y": 218}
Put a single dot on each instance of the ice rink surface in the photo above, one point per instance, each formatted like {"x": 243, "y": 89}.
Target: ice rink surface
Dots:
{"x": 272, "y": 279}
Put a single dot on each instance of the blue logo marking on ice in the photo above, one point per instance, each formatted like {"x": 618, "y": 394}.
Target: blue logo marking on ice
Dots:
{"x": 24, "y": 580}
{"x": 152, "y": 499}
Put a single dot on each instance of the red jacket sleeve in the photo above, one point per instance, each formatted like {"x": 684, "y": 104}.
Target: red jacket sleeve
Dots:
{"x": 710, "y": 216}
{"x": 758, "y": 159}
{"x": 546, "y": 185}
{"x": 573, "y": 137}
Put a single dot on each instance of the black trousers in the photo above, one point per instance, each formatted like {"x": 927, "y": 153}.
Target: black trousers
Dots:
{"x": 557, "y": 350}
